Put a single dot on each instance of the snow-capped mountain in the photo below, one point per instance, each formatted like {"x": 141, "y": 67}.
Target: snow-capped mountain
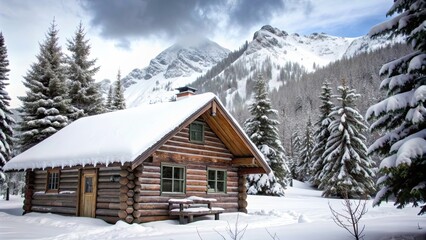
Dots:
{"x": 176, "y": 66}
{"x": 284, "y": 56}
{"x": 316, "y": 49}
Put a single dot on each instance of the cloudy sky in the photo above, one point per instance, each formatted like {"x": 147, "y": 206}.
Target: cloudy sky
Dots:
{"x": 126, "y": 34}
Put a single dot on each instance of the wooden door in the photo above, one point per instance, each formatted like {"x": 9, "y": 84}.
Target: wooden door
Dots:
{"x": 88, "y": 190}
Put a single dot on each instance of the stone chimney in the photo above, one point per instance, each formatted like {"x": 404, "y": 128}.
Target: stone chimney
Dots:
{"x": 185, "y": 92}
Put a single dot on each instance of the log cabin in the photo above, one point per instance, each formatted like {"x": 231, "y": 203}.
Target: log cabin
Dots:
{"x": 126, "y": 165}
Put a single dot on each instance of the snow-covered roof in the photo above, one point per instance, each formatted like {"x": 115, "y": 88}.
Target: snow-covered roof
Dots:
{"x": 119, "y": 136}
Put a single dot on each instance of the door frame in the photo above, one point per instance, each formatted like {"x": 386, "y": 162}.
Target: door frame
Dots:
{"x": 81, "y": 173}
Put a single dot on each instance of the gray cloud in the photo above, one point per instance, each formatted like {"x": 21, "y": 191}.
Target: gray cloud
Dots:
{"x": 124, "y": 20}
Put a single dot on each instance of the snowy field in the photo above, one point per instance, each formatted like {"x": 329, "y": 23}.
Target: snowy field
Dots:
{"x": 302, "y": 214}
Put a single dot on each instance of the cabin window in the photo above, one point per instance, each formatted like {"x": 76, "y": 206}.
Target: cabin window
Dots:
{"x": 52, "y": 181}
{"x": 172, "y": 179}
{"x": 196, "y": 132}
{"x": 216, "y": 181}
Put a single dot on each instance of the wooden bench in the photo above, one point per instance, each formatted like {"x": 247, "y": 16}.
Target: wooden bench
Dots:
{"x": 193, "y": 206}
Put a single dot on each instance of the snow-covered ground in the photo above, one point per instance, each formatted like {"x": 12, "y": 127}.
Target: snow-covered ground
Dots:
{"x": 302, "y": 214}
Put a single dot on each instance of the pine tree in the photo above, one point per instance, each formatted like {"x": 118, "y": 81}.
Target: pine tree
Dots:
{"x": 400, "y": 117}
{"x": 108, "y": 104}
{"x": 46, "y": 106}
{"x": 303, "y": 169}
{"x": 118, "y": 101}
{"x": 294, "y": 157}
{"x": 321, "y": 134}
{"x": 84, "y": 92}
{"x": 6, "y": 120}
{"x": 262, "y": 130}
{"x": 348, "y": 169}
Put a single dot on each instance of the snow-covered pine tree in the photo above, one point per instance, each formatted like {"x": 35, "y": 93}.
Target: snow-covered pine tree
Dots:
{"x": 294, "y": 153}
{"x": 108, "y": 103}
{"x": 46, "y": 107}
{"x": 303, "y": 169}
{"x": 262, "y": 130}
{"x": 84, "y": 92}
{"x": 348, "y": 170}
{"x": 6, "y": 120}
{"x": 322, "y": 133}
{"x": 118, "y": 101}
{"x": 400, "y": 118}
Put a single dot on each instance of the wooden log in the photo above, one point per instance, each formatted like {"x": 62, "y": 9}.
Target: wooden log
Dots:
{"x": 137, "y": 214}
{"x": 123, "y": 205}
{"x": 61, "y": 210}
{"x": 54, "y": 203}
{"x": 107, "y": 212}
{"x": 196, "y": 182}
{"x": 131, "y": 184}
{"x": 137, "y": 189}
{"x": 130, "y": 193}
{"x": 153, "y": 205}
{"x": 242, "y": 204}
{"x": 123, "y": 197}
{"x": 129, "y": 219}
{"x": 149, "y": 193}
{"x": 242, "y": 195}
{"x": 122, "y": 214}
{"x": 138, "y": 173}
{"x": 150, "y": 174}
{"x": 150, "y": 199}
{"x": 151, "y": 169}
{"x": 109, "y": 192}
{"x": 115, "y": 206}
{"x": 131, "y": 176}
{"x": 129, "y": 210}
{"x": 109, "y": 185}
{"x": 150, "y": 187}
{"x": 154, "y": 212}
{"x": 201, "y": 177}
{"x": 124, "y": 189}
{"x": 148, "y": 181}
{"x": 130, "y": 201}
{"x": 109, "y": 219}
{"x": 53, "y": 196}
{"x": 124, "y": 173}
{"x": 196, "y": 188}
{"x": 124, "y": 181}
{"x": 108, "y": 199}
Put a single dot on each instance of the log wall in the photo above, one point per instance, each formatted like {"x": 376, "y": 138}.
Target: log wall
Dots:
{"x": 62, "y": 202}
{"x": 108, "y": 198}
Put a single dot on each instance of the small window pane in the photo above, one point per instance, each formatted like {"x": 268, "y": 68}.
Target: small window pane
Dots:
{"x": 212, "y": 174}
{"x": 88, "y": 185}
{"x": 167, "y": 172}
{"x": 212, "y": 185}
{"x": 167, "y": 185}
{"x": 178, "y": 173}
{"x": 178, "y": 187}
{"x": 221, "y": 186}
{"x": 220, "y": 175}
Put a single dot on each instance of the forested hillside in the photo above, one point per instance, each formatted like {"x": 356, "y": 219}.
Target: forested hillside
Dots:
{"x": 294, "y": 91}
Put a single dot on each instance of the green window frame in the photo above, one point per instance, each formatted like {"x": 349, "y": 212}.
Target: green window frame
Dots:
{"x": 216, "y": 180}
{"x": 173, "y": 179}
{"x": 196, "y": 132}
{"x": 52, "y": 184}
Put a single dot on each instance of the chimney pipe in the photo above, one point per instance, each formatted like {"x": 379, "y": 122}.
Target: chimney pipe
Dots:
{"x": 185, "y": 92}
